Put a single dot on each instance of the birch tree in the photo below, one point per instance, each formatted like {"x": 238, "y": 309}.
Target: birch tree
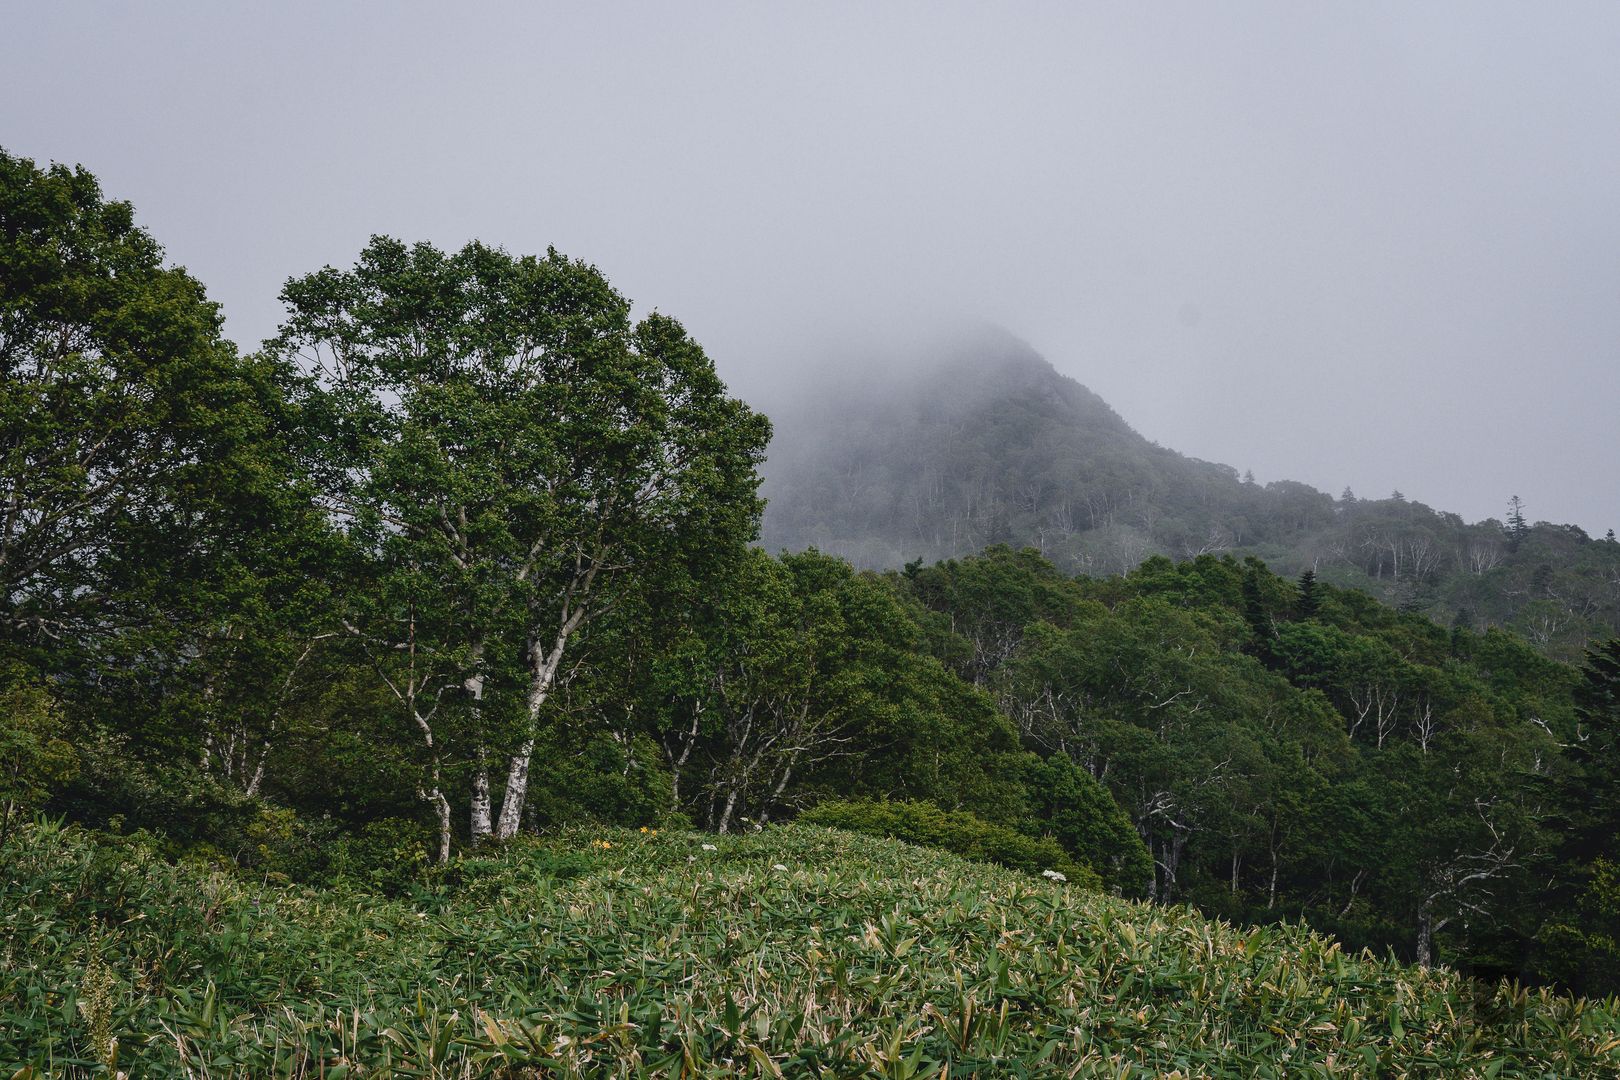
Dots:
{"x": 503, "y": 425}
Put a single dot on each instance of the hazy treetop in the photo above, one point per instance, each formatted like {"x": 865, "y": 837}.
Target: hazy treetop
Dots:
{"x": 1370, "y": 245}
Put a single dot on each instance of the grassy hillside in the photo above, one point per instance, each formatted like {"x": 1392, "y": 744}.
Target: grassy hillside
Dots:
{"x": 799, "y": 951}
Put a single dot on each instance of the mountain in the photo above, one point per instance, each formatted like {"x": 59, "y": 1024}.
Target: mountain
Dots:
{"x": 979, "y": 441}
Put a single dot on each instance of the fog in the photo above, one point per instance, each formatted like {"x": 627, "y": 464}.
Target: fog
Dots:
{"x": 1374, "y": 245}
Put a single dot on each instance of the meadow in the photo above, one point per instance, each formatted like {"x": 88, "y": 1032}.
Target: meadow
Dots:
{"x": 798, "y": 951}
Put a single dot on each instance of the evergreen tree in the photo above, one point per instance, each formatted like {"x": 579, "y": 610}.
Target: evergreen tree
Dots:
{"x": 1461, "y": 623}
{"x": 1516, "y": 526}
{"x": 1254, "y": 611}
{"x": 1310, "y": 600}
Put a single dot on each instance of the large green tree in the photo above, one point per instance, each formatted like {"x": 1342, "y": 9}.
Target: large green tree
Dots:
{"x": 508, "y": 450}
{"x": 153, "y": 540}
{"x": 129, "y": 428}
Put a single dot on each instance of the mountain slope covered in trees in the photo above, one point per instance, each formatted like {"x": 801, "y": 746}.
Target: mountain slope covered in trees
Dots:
{"x": 981, "y": 441}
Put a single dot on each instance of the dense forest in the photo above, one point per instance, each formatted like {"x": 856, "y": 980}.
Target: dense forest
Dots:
{"x": 979, "y": 441}
{"x": 466, "y": 551}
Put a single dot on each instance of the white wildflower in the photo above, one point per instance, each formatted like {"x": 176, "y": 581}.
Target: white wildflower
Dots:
{"x": 710, "y": 847}
{"x": 1053, "y": 875}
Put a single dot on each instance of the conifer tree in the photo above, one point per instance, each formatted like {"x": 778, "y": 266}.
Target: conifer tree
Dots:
{"x": 1516, "y": 527}
{"x": 1310, "y": 600}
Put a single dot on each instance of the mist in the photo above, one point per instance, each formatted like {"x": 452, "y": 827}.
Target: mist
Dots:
{"x": 1374, "y": 247}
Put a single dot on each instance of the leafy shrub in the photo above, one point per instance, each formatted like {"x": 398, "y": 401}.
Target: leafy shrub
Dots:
{"x": 388, "y": 855}
{"x": 116, "y": 790}
{"x": 1081, "y": 815}
{"x": 35, "y": 757}
{"x": 954, "y": 831}
{"x": 600, "y": 779}
{"x": 1581, "y": 948}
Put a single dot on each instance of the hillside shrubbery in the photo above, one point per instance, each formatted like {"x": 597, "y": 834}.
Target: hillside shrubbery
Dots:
{"x": 954, "y": 831}
{"x": 799, "y": 951}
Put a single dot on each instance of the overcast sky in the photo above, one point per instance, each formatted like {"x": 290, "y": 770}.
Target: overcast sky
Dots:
{"x": 1374, "y": 245}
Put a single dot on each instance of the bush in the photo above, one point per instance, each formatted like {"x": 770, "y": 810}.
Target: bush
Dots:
{"x": 388, "y": 856}
{"x": 1580, "y": 946}
{"x": 35, "y": 756}
{"x": 953, "y": 831}
{"x": 1082, "y": 816}
{"x": 596, "y": 778}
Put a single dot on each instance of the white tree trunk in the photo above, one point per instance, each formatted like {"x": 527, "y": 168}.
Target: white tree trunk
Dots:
{"x": 725, "y": 817}
{"x": 543, "y": 672}
{"x": 441, "y": 807}
{"x": 1425, "y": 938}
{"x": 480, "y": 826}
{"x": 517, "y": 789}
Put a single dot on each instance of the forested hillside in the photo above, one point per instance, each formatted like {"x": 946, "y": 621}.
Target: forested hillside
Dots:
{"x": 982, "y": 442}
{"x": 467, "y": 552}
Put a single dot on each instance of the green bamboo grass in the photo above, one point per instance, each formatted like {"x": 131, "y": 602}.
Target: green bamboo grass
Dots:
{"x": 800, "y": 951}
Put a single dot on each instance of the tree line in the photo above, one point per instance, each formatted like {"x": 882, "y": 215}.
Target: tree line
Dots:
{"x": 467, "y": 548}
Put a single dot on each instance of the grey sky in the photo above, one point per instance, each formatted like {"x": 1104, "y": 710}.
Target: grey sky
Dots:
{"x": 1374, "y": 244}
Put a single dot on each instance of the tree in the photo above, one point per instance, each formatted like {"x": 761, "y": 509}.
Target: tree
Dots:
{"x": 1083, "y": 817}
{"x": 153, "y": 541}
{"x": 1255, "y": 613}
{"x": 128, "y": 425}
{"x": 1516, "y": 527}
{"x": 752, "y": 694}
{"x": 1596, "y": 751}
{"x": 496, "y": 434}
{"x": 1310, "y": 595}
{"x": 991, "y": 598}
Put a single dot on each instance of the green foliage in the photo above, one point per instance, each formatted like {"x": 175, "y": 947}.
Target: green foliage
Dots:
{"x": 132, "y": 428}
{"x": 35, "y": 757}
{"x": 592, "y": 776}
{"x": 114, "y": 788}
{"x": 798, "y": 951}
{"x": 467, "y": 532}
{"x": 510, "y": 455}
{"x": 1080, "y": 814}
{"x": 384, "y": 856}
{"x": 954, "y": 831}
{"x": 1580, "y": 946}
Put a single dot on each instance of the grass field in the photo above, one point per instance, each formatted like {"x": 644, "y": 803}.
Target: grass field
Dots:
{"x": 795, "y": 952}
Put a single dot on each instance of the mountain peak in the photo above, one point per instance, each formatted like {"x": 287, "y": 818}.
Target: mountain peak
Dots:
{"x": 940, "y": 446}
